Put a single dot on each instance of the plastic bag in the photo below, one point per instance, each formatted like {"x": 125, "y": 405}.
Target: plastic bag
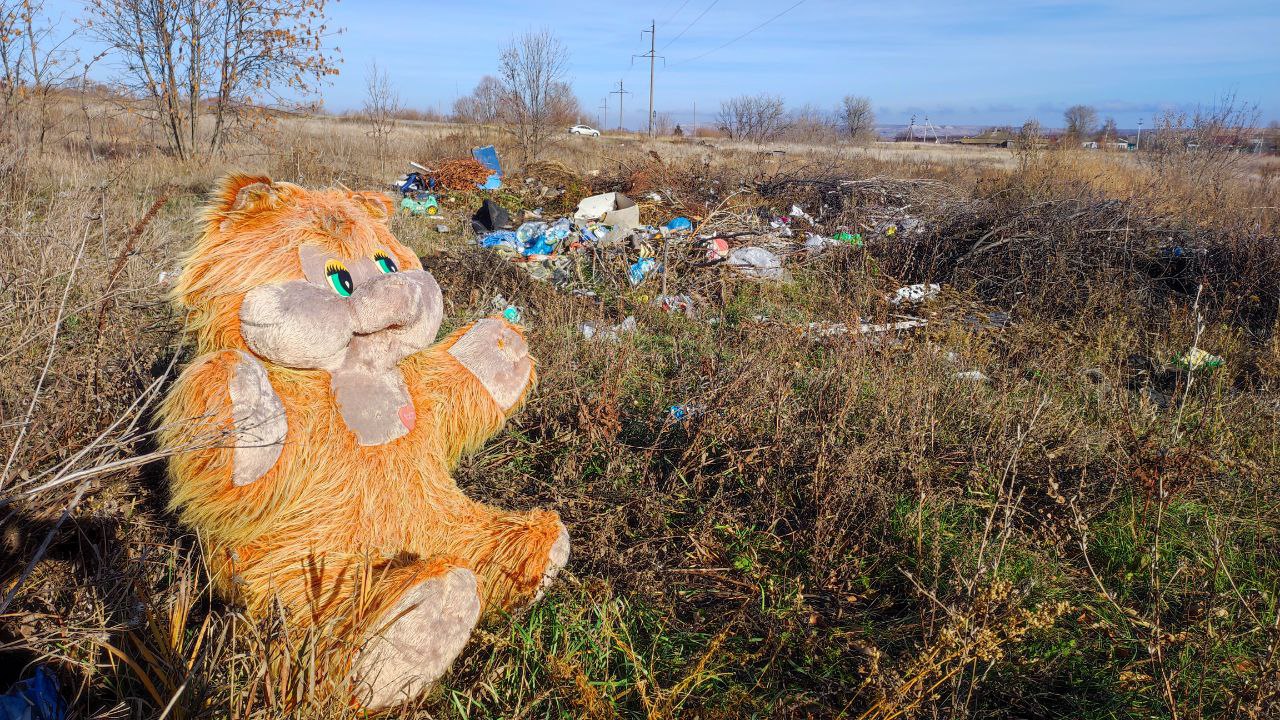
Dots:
{"x": 756, "y": 262}
{"x": 36, "y": 698}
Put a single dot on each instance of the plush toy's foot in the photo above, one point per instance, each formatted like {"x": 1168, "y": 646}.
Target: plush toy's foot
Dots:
{"x": 417, "y": 640}
{"x": 558, "y": 558}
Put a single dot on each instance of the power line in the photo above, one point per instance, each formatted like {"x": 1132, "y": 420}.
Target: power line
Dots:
{"x": 686, "y": 27}
{"x": 677, "y": 12}
{"x": 766, "y": 22}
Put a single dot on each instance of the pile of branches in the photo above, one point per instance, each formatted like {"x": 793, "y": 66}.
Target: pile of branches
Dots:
{"x": 461, "y": 173}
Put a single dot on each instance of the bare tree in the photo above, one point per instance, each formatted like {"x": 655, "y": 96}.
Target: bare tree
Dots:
{"x": 484, "y": 105}
{"x": 381, "y": 106}
{"x": 757, "y": 118}
{"x": 1108, "y": 133}
{"x": 662, "y": 123}
{"x": 532, "y": 72}
{"x": 857, "y": 119}
{"x": 811, "y": 124}
{"x": 180, "y": 53}
{"x": 1080, "y": 121}
{"x": 34, "y": 64}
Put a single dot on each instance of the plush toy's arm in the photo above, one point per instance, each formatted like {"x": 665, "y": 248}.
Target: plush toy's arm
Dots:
{"x": 473, "y": 380}
{"x": 226, "y": 427}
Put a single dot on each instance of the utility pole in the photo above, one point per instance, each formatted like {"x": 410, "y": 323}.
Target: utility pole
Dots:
{"x": 652, "y": 55}
{"x": 604, "y": 107}
{"x": 695, "y": 119}
{"x": 620, "y": 92}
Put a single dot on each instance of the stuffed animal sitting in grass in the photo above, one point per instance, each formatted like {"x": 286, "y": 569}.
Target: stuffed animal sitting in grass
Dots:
{"x": 315, "y": 431}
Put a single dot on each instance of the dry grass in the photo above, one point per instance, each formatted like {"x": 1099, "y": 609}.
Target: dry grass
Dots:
{"x": 846, "y": 530}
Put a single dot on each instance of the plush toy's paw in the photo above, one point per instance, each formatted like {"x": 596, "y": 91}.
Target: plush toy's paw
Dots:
{"x": 417, "y": 640}
{"x": 559, "y": 557}
{"x": 499, "y": 357}
{"x": 259, "y": 421}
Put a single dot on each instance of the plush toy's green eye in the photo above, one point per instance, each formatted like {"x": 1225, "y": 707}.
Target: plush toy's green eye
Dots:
{"x": 339, "y": 278}
{"x": 385, "y": 263}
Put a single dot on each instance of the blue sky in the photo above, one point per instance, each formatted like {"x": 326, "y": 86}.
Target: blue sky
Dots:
{"x": 976, "y": 62}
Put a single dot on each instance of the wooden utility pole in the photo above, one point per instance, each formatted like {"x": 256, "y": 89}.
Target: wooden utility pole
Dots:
{"x": 620, "y": 92}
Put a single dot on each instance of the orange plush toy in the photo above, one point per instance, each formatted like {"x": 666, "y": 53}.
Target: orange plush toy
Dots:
{"x": 315, "y": 432}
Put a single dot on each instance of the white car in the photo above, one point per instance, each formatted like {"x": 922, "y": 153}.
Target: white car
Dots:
{"x": 584, "y": 130}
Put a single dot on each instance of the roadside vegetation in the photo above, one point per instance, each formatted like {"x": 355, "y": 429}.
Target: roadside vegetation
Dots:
{"x": 847, "y": 529}
{"x": 1041, "y": 503}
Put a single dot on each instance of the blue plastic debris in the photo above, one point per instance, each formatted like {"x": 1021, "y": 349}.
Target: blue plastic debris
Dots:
{"x": 511, "y": 314}
{"x": 680, "y": 413}
{"x": 540, "y": 246}
{"x": 488, "y": 156}
{"x": 641, "y": 269}
{"x": 36, "y": 698}
{"x": 501, "y": 238}
{"x": 679, "y": 224}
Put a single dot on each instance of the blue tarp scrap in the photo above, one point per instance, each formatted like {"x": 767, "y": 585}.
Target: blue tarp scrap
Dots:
{"x": 488, "y": 156}
{"x": 36, "y": 698}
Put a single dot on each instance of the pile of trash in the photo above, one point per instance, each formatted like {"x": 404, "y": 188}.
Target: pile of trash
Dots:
{"x": 607, "y": 226}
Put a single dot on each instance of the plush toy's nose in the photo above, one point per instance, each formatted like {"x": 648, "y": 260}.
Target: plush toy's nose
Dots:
{"x": 390, "y": 300}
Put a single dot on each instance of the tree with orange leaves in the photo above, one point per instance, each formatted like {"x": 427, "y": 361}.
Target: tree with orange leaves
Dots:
{"x": 218, "y": 58}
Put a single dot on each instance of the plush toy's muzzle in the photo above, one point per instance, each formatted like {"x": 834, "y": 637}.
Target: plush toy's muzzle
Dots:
{"x": 359, "y": 340}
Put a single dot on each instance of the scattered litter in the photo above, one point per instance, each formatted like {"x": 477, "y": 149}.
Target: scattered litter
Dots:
{"x": 854, "y": 239}
{"x": 675, "y": 303}
{"x": 442, "y": 228}
{"x": 489, "y": 218}
{"x": 36, "y": 698}
{"x": 756, "y": 262}
{"x": 680, "y": 413}
{"x": 717, "y": 249}
{"x": 591, "y": 331}
{"x": 164, "y": 279}
{"x": 555, "y": 270}
{"x": 912, "y": 294}
{"x": 866, "y": 328}
{"x": 641, "y": 269}
{"x": 817, "y": 243}
{"x": 614, "y": 209}
{"x": 1197, "y": 359}
{"x": 502, "y": 240}
{"x": 509, "y": 312}
{"x": 972, "y": 376}
{"x": 679, "y": 224}
{"x": 798, "y": 212}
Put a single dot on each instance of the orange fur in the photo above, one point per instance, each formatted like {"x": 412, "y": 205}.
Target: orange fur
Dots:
{"x": 330, "y": 509}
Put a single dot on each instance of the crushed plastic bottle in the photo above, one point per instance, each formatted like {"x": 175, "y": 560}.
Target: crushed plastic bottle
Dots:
{"x": 530, "y": 231}
{"x": 558, "y": 231}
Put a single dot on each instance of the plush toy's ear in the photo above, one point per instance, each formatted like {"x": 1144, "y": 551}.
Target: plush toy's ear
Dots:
{"x": 376, "y": 204}
{"x": 240, "y": 192}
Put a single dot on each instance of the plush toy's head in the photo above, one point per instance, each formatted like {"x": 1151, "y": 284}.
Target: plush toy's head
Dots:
{"x": 313, "y": 280}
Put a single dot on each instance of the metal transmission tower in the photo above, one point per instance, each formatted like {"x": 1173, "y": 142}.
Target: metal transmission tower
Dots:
{"x": 652, "y": 55}
{"x": 620, "y": 92}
